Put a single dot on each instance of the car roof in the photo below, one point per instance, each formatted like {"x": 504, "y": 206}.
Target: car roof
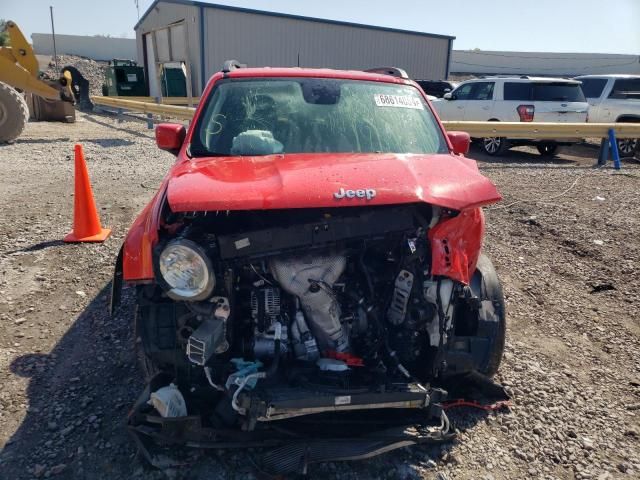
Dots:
{"x": 298, "y": 72}
{"x": 607, "y": 75}
{"x": 523, "y": 80}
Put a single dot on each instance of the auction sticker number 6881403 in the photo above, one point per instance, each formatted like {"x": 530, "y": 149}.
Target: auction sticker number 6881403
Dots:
{"x": 402, "y": 101}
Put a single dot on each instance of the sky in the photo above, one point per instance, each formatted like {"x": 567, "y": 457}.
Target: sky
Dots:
{"x": 592, "y": 26}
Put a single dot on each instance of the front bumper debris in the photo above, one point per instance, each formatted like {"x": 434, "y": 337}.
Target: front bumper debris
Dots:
{"x": 290, "y": 445}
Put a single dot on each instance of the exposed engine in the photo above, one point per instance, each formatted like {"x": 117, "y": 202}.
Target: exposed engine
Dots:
{"x": 337, "y": 300}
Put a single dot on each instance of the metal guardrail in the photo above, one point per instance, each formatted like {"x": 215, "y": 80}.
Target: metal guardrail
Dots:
{"x": 161, "y": 100}
{"x": 514, "y": 130}
{"x": 184, "y": 113}
{"x": 550, "y": 131}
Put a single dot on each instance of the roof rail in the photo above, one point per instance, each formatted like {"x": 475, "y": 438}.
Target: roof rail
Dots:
{"x": 393, "y": 71}
{"x": 230, "y": 65}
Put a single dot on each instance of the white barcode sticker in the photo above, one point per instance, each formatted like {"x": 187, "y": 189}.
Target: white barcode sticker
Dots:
{"x": 343, "y": 400}
{"x": 242, "y": 243}
{"x": 402, "y": 101}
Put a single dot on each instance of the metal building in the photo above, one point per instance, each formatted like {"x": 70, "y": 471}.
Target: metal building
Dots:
{"x": 483, "y": 62}
{"x": 198, "y": 37}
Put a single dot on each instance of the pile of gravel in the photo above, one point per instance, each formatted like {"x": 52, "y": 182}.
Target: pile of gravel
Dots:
{"x": 92, "y": 70}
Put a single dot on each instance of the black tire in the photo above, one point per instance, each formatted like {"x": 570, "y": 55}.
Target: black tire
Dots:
{"x": 494, "y": 146}
{"x": 547, "y": 149}
{"x": 627, "y": 147}
{"x": 14, "y": 113}
{"x": 148, "y": 368}
{"x": 487, "y": 282}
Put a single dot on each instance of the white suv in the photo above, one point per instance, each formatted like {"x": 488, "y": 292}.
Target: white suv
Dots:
{"x": 614, "y": 98}
{"x": 517, "y": 99}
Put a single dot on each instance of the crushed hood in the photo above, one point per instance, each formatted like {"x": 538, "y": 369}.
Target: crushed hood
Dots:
{"x": 311, "y": 179}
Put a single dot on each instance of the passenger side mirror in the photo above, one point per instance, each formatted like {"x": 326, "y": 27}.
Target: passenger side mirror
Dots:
{"x": 460, "y": 142}
{"x": 448, "y": 96}
{"x": 170, "y": 136}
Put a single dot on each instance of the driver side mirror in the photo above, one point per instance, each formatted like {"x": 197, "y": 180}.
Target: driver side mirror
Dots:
{"x": 460, "y": 142}
{"x": 170, "y": 136}
{"x": 448, "y": 96}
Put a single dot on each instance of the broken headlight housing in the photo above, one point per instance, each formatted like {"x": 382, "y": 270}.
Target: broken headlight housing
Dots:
{"x": 186, "y": 270}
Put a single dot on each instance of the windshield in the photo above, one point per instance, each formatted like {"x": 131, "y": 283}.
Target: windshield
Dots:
{"x": 307, "y": 115}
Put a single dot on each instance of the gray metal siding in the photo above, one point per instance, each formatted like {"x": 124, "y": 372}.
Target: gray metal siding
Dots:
{"x": 262, "y": 40}
{"x": 164, "y": 14}
{"x": 542, "y": 63}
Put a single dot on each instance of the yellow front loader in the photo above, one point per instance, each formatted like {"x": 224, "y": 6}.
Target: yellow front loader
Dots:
{"x": 19, "y": 71}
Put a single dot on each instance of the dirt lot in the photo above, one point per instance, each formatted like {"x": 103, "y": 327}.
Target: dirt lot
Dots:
{"x": 564, "y": 240}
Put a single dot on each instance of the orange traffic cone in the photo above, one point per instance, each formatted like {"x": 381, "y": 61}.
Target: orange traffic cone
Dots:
{"x": 86, "y": 224}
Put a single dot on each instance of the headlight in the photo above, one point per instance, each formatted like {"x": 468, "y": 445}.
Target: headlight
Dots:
{"x": 187, "y": 271}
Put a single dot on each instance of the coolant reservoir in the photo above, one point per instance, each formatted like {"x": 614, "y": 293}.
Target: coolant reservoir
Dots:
{"x": 169, "y": 402}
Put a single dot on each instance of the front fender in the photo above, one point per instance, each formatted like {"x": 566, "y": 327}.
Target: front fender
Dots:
{"x": 456, "y": 244}
{"x": 137, "y": 257}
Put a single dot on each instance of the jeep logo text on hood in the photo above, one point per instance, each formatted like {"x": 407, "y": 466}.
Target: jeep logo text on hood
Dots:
{"x": 368, "y": 193}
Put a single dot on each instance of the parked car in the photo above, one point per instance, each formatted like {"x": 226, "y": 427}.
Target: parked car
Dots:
{"x": 315, "y": 252}
{"x": 614, "y": 98}
{"x": 436, "y": 88}
{"x": 515, "y": 99}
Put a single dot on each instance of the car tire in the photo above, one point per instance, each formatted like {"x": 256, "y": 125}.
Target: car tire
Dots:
{"x": 494, "y": 146}
{"x": 148, "y": 368}
{"x": 627, "y": 147}
{"x": 14, "y": 113}
{"x": 495, "y": 331}
{"x": 547, "y": 149}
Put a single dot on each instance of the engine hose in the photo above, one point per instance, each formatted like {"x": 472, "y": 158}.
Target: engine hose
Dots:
{"x": 207, "y": 372}
{"x": 367, "y": 277}
{"x": 243, "y": 383}
{"x": 273, "y": 368}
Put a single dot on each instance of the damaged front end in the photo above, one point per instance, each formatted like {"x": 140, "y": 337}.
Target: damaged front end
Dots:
{"x": 320, "y": 334}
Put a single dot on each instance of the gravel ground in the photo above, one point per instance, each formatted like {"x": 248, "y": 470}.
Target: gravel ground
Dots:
{"x": 564, "y": 240}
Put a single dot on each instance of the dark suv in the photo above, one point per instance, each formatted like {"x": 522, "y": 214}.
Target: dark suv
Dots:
{"x": 436, "y": 88}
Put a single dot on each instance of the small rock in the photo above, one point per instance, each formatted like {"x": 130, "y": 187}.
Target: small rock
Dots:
{"x": 52, "y": 426}
{"x": 81, "y": 293}
{"x": 587, "y": 443}
{"x": 632, "y": 432}
{"x": 58, "y": 469}
{"x": 19, "y": 321}
{"x": 38, "y": 470}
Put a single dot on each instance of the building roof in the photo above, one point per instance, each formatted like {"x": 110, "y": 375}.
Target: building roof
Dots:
{"x": 285, "y": 15}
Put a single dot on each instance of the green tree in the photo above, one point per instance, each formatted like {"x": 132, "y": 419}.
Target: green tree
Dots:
{"x": 4, "y": 35}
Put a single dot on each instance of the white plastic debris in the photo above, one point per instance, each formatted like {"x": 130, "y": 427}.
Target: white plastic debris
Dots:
{"x": 169, "y": 402}
{"x": 332, "y": 365}
{"x": 599, "y": 198}
{"x": 598, "y": 242}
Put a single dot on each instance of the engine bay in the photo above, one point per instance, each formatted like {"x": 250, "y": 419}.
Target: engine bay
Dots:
{"x": 307, "y": 311}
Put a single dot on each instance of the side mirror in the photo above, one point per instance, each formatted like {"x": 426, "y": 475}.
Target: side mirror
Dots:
{"x": 460, "y": 142}
{"x": 448, "y": 96}
{"x": 170, "y": 136}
